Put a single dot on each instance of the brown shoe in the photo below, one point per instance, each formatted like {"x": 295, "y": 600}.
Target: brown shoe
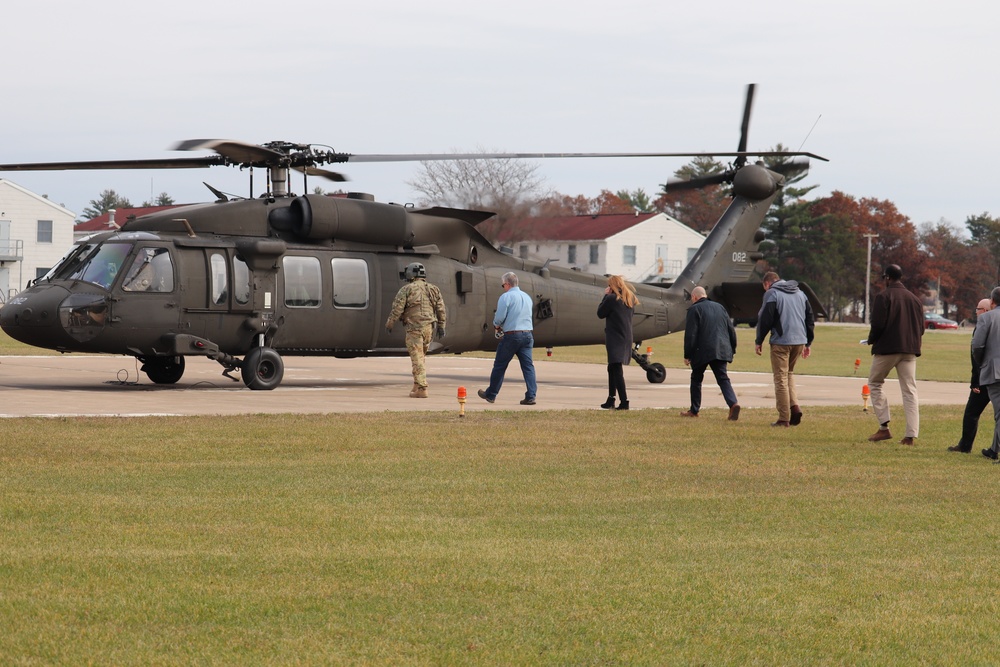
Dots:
{"x": 688, "y": 413}
{"x": 906, "y": 441}
{"x": 957, "y": 448}
{"x": 734, "y": 412}
{"x": 780, "y": 423}
{"x": 881, "y": 434}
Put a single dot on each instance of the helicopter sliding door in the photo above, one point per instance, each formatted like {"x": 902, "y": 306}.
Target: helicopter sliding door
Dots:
{"x": 325, "y": 305}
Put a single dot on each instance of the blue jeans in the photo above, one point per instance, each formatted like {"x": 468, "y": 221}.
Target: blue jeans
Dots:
{"x": 719, "y": 369}
{"x": 517, "y": 343}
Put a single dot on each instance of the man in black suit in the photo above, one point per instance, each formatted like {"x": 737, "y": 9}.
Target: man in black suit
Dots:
{"x": 986, "y": 353}
{"x": 709, "y": 342}
{"x": 978, "y": 399}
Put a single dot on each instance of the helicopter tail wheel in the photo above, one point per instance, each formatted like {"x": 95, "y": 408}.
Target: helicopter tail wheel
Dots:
{"x": 163, "y": 370}
{"x": 656, "y": 373}
{"x": 262, "y": 368}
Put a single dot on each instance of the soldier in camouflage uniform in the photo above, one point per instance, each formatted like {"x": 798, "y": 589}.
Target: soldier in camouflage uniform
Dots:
{"x": 419, "y": 305}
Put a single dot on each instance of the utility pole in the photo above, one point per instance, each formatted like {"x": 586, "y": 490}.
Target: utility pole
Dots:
{"x": 868, "y": 277}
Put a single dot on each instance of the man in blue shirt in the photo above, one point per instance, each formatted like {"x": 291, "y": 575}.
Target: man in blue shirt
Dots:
{"x": 513, "y": 322}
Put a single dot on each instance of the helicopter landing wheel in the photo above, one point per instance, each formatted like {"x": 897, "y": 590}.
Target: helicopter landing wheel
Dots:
{"x": 262, "y": 368}
{"x": 163, "y": 370}
{"x": 656, "y": 373}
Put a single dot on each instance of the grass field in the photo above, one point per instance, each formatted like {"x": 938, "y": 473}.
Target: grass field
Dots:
{"x": 503, "y": 538}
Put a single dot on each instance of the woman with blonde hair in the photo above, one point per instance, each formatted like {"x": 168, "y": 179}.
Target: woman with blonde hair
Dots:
{"x": 616, "y": 309}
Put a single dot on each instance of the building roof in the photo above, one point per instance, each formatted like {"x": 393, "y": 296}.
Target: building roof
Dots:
{"x": 45, "y": 200}
{"x": 102, "y": 223}
{"x": 571, "y": 227}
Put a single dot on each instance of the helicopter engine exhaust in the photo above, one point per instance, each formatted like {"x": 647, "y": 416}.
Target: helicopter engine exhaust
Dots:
{"x": 318, "y": 217}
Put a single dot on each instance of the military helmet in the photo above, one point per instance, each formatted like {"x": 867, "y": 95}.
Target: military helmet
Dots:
{"x": 414, "y": 270}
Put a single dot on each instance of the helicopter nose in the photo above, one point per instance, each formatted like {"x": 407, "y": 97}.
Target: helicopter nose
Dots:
{"x": 34, "y": 309}
{"x": 51, "y": 316}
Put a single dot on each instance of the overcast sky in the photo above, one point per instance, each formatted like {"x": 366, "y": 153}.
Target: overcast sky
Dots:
{"x": 905, "y": 93}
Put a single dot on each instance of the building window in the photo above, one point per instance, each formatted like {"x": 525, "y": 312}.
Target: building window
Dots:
{"x": 522, "y": 251}
{"x": 628, "y": 255}
{"x": 594, "y": 253}
{"x": 44, "y": 231}
{"x": 571, "y": 254}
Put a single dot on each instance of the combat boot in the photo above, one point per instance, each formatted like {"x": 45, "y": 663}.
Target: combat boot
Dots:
{"x": 421, "y": 392}
{"x": 413, "y": 392}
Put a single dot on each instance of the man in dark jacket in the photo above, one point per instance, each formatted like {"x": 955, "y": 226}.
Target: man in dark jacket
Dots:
{"x": 709, "y": 342}
{"x": 897, "y": 327}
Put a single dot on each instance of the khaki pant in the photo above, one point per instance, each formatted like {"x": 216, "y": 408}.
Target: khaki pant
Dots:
{"x": 783, "y": 358}
{"x": 418, "y": 340}
{"x": 906, "y": 371}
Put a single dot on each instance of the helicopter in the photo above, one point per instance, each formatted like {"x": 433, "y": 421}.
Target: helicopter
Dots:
{"x": 248, "y": 281}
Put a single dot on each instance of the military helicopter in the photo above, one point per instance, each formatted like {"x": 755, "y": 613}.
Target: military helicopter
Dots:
{"x": 246, "y": 282}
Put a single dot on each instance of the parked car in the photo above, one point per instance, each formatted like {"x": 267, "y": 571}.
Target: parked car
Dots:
{"x": 935, "y": 321}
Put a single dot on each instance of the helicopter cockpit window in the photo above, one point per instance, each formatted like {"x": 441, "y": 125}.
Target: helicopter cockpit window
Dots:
{"x": 151, "y": 271}
{"x": 220, "y": 281}
{"x": 241, "y": 281}
{"x": 303, "y": 282}
{"x": 350, "y": 283}
{"x": 98, "y": 264}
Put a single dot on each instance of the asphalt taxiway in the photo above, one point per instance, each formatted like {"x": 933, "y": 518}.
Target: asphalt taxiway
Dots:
{"x": 84, "y": 385}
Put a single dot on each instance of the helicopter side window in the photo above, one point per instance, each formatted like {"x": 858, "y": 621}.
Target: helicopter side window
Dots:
{"x": 151, "y": 271}
{"x": 350, "y": 283}
{"x": 241, "y": 281}
{"x": 220, "y": 279}
{"x": 98, "y": 264}
{"x": 303, "y": 282}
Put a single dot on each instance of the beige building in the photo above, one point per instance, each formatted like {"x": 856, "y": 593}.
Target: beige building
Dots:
{"x": 642, "y": 247}
{"x": 35, "y": 233}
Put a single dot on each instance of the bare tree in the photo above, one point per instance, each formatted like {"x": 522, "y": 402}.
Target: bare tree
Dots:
{"x": 509, "y": 187}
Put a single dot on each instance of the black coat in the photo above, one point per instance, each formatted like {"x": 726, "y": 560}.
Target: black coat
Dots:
{"x": 708, "y": 334}
{"x": 617, "y": 328}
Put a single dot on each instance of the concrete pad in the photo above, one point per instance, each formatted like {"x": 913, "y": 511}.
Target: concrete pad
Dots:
{"x": 72, "y": 385}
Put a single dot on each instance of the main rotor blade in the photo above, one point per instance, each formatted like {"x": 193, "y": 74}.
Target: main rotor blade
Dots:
{"x": 239, "y": 152}
{"x": 163, "y": 163}
{"x": 429, "y": 157}
{"x": 335, "y": 176}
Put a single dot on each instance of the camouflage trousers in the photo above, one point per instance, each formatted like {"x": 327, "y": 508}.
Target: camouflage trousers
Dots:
{"x": 418, "y": 339}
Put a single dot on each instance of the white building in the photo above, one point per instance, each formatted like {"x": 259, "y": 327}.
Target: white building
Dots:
{"x": 642, "y": 247}
{"x": 34, "y": 235}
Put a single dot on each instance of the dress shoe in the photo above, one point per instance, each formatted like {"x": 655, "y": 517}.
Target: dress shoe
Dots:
{"x": 622, "y": 406}
{"x": 482, "y": 395}
{"x": 780, "y": 423}
{"x": 688, "y": 413}
{"x": 796, "y": 416}
{"x": 906, "y": 441}
{"x": 957, "y": 448}
{"x": 608, "y": 404}
{"x": 527, "y": 401}
{"x": 990, "y": 454}
{"x": 734, "y": 412}
{"x": 879, "y": 435}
